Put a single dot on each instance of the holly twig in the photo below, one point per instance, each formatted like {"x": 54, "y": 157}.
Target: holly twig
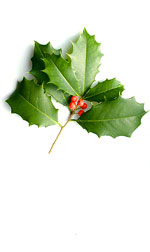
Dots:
{"x": 62, "y": 127}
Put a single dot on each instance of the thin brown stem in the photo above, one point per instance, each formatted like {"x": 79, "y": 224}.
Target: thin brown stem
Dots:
{"x": 69, "y": 119}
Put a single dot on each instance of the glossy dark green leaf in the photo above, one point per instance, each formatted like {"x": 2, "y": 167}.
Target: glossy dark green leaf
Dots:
{"x": 40, "y": 52}
{"x": 119, "y": 117}
{"x": 33, "y": 105}
{"x": 85, "y": 59}
{"x": 61, "y": 74}
{"x": 105, "y": 90}
{"x": 37, "y": 64}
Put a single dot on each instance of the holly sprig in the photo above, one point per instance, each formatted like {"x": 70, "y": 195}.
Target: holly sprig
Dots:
{"x": 71, "y": 82}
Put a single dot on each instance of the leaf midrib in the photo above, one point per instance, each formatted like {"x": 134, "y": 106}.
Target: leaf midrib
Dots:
{"x": 85, "y": 68}
{"x": 64, "y": 77}
{"x": 113, "y": 119}
{"x": 103, "y": 92}
{"x": 43, "y": 55}
{"x": 39, "y": 110}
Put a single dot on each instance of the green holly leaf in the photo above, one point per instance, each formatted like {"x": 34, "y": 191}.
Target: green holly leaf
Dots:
{"x": 33, "y": 105}
{"x": 61, "y": 74}
{"x": 115, "y": 118}
{"x": 105, "y": 90}
{"x": 40, "y": 52}
{"x": 58, "y": 95}
{"x": 85, "y": 59}
{"x": 37, "y": 64}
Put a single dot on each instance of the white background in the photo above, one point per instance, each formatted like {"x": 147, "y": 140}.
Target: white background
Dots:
{"x": 90, "y": 194}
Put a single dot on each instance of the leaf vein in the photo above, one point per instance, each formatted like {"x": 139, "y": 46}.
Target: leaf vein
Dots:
{"x": 58, "y": 70}
{"x": 85, "y": 68}
{"x": 113, "y": 119}
{"x": 39, "y": 110}
{"x": 102, "y": 92}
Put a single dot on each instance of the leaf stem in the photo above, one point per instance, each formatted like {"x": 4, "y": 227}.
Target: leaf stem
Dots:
{"x": 62, "y": 127}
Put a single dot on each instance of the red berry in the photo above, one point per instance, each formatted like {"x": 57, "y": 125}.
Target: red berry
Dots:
{"x": 80, "y": 112}
{"x": 74, "y": 98}
{"x": 72, "y": 105}
{"x": 84, "y": 106}
{"x": 80, "y": 103}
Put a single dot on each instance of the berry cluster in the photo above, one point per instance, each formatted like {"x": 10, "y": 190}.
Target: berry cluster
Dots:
{"x": 73, "y": 104}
